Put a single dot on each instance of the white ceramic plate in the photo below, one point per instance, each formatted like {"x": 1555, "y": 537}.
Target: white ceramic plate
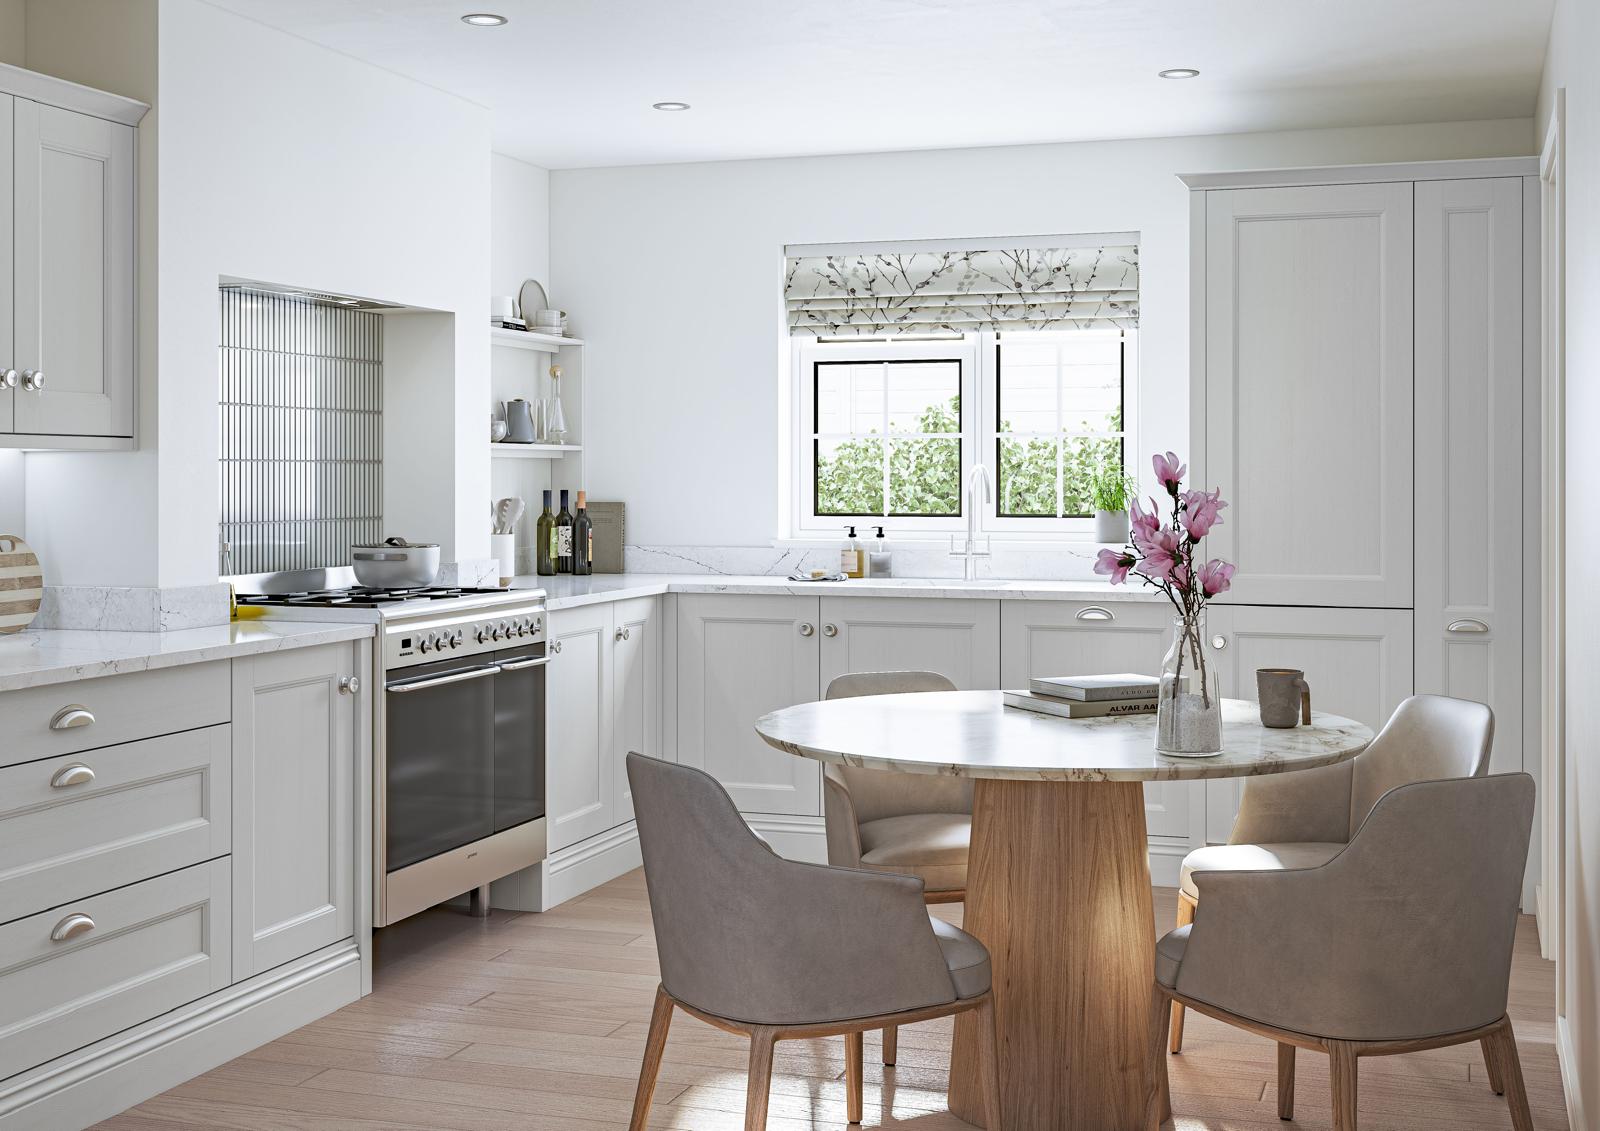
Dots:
{"x": 532, "y": 298}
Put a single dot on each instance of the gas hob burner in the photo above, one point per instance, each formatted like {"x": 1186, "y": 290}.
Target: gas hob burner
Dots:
{"x": 362, "y": 597}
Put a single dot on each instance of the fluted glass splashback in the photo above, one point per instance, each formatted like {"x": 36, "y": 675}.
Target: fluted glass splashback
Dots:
{"x": 301, "y": 406}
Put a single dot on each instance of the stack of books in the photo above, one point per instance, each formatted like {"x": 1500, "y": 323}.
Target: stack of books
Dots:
{"x": 1087, "y": 696}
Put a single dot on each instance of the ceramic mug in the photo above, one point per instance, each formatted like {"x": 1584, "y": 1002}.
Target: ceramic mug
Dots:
{"x": 1285, "y": 697}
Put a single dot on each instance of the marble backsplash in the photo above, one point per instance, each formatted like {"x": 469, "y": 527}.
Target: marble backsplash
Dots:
{"x": 132, "y": 608}
{"x": 908, "y": 561}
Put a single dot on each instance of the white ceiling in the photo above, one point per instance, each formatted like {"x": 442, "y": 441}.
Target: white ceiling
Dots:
{"x": 571, "y": 81}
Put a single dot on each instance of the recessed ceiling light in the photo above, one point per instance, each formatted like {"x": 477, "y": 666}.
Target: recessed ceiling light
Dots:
{"x": 1179, "y": 73}
{"x": 669, "y": 105}
{"x": 483, "y": 19}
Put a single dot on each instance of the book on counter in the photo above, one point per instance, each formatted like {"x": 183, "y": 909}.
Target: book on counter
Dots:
{"x": 1095, "y": 688}
{"x": 1077, "y": 708}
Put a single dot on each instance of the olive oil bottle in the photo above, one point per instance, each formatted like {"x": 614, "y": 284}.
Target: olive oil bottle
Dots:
{"x": 544, "y": 540}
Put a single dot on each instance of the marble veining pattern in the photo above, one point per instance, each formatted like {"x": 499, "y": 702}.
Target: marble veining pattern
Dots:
{"x": 36, "y": 658}
{"x": 972, "y": 734}
{"x": 472, "y": 573}
{"x": 132, "y": 609}
{"x": 1070, "y": 563}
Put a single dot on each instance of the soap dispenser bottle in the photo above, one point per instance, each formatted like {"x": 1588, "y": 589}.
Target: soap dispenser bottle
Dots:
{"x": 878, "y": 560}
{"x": 851, "y": 556}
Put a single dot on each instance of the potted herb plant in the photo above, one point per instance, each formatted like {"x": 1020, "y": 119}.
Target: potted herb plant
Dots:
{"x": 1110, "y": 490}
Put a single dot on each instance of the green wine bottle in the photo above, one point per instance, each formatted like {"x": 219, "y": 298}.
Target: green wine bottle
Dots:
{"x": 582, "y": 538}
{"x": 563, "y": 549}
{"x": 544, "y": 540}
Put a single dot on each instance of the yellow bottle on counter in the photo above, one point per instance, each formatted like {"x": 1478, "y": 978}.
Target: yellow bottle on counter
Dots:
{"x": 852, "y": 558}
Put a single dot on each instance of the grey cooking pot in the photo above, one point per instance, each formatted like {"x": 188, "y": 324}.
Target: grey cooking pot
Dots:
{"x": 395, "y": 563}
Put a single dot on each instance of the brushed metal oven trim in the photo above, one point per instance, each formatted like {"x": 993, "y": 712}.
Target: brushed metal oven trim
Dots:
{"x": 419, "y": 886}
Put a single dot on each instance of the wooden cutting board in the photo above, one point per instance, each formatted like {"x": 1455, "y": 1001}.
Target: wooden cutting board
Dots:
{"x": 21, "y": 584}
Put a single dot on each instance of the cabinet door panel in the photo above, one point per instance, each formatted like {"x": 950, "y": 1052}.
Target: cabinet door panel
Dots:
{"x": 294, "y": 771}
{"x": 1043, "y": 638}
{"x": 1469, "y": 449}
{"x": 1357, "y": 661}
{"x": 1308, "y": 392}
{"x": 740, "y": 657}
{"x": 636, "y": 671}
{"x": 8, "y": 358}
{"x": 959, "y": 639}
{"x": 74, "y": 271}
{"x": 580, "y": 761}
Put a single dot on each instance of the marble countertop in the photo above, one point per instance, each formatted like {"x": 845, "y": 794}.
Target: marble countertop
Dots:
{"x": 973, "y": 734}
{"x": 564, "y": 591}
{"x": 31, "y": 659}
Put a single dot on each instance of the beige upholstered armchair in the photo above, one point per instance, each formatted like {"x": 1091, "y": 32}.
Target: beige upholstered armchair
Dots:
{"x": 1400, "y": 942}
{"x": 775, "y": 949}
{"x": 914, "y": 824}
{"x": 1304, "y": 819}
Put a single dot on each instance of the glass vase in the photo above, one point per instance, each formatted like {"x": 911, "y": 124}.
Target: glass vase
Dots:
{"x": 1188, "y": 702}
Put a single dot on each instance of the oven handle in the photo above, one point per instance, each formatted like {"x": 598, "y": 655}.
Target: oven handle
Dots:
{"x": 519, "y": 665}
{"x": 440, "y": 681}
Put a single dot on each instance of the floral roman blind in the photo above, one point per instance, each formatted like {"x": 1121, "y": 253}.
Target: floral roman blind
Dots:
{"x": 874, "y": 295}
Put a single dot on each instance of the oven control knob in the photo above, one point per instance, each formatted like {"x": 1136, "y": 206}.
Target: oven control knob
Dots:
{"x": 498, "y": 631}
{"x": 425, "y": 644}
{"x": 521, "y": 627}
{"x": 481, "y": 633}
{"x": 456, "y": 638}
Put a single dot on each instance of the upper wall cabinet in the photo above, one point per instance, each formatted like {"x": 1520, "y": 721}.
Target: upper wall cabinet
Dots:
{"x": 1303, "y": 396}
{"x": 67, "y": 299}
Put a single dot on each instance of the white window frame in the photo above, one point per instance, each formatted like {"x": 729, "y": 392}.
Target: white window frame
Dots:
{"x": 979, "y": 436}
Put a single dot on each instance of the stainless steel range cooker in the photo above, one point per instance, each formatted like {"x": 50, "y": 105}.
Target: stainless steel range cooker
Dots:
{"x": 458, "y": 724}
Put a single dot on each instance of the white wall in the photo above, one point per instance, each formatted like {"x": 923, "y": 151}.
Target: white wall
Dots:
{"x": 673, "y": 274}
{"x": 1568, "y": 66}
{"x": 519, "y": 226}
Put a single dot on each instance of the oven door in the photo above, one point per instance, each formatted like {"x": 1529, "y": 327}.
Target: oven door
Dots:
{"x": 519, "y": 736}
{"x": 439, "y": 758}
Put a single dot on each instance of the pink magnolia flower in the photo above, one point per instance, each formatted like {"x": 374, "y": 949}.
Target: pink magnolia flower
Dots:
{"x": 1142, "y": 522}
{"x": 1180, "y": 576}
{"x": 1115, "y": 564}
{"x": 1216, "y": 576}
{"x": 1201, "y": 512}
{"x": 1169, "y": 472}
{"x": 1159, "y": 554}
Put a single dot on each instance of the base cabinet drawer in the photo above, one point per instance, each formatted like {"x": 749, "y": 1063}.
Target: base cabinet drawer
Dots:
{"x": 95, "y": 966}
{"x": 62, "y": 718}
{"x": 81, "y": 823}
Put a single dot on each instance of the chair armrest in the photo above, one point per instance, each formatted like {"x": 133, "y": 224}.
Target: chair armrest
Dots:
{"x": 1406, "y": 933}
{"x": 1306, "y": 806}
{"x": 839, "y": 815}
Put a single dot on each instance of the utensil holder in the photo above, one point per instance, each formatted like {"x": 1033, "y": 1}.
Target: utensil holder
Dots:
{"x": 504, "y": 548}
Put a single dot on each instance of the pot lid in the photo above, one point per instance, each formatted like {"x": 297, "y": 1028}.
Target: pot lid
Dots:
{"x": 395, "y": 543}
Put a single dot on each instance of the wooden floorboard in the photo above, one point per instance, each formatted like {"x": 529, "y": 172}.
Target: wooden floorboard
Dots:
{"x": 537, "y": 1023}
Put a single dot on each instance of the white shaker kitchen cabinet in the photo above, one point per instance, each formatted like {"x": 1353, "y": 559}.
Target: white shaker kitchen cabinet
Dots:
{"x": 959, "y": 639}
{"x": 1303, "y": 391}
{"x": 636, "y": 680}
{"x": 294, "y": 756}
{"x": 740, "y": 657}
{"x": 1044, "y": 638}
{"x": 1469, "y": 358}
{"x": 581, "y": 762}
{"x": 8, "y": 361}
{"x": 1357, "y": 661}
{"x": 73, "y": 267}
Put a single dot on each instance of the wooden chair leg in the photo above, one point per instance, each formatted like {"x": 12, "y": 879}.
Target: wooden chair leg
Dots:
{"x": 1158, "y": 1100}
{"x": 1492, "y": 1067}
{"x": 654, "y": 1045}
{"x": 1285, "y": 1080}
{"x": 852, "y": 1076}
{"x": 891, "y": 1045}
{"x": 1186, "y": 907}
{"x": 1342, "y": 1072}
{"x": 759, "y": 1085}
{"x": 989, "y": 1065}
{"x": 1504, "y": 1051}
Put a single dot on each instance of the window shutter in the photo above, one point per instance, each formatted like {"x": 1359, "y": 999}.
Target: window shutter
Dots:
{"x": 872, "y": 295}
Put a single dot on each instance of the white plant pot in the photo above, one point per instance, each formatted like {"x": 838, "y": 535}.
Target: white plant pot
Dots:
{"x": 1111, "y": 527}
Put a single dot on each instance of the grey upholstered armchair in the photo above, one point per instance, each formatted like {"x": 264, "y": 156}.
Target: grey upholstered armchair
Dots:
{"x": 914, "y": 824}
{"x": 1400, "y": 942}
{"x": 1304, "y": 819}
{"x": 776, "y": 949}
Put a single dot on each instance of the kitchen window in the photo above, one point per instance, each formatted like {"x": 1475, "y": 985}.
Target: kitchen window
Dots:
{"x": 910, "y": 367}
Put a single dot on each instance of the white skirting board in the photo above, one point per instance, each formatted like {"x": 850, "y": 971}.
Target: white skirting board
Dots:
{"x": 582, "y": 867}
{"x": 114, "y": 1074}
{"x": 1570, "y": 1081}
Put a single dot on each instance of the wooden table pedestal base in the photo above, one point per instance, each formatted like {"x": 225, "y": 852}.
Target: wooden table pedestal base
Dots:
{"x": 1058, "y": 889}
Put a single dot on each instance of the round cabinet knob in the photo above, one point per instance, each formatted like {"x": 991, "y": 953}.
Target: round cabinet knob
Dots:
{"x": 350, "y": 685}
{"x": 1219, "y": 642}
{"x": 619, "y": 636}
{"x": 807, "y": 629}
{"x": 33, "y": 379}
{"x": 8, "y": 378}
{"x": 830, "y": 630}
{"x": 555, "y": 646}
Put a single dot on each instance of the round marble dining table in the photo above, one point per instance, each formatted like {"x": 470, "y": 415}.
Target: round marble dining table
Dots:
{"x": 1058, "y": 875}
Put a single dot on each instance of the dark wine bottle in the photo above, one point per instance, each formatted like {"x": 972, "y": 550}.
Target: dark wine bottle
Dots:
{"x": 582, "y": 538}
{"x": 563, "y": 549}
{"x": 544, "y": 540}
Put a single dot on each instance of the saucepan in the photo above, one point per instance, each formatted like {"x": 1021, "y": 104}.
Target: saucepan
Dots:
{"x": 395, "y": 563}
